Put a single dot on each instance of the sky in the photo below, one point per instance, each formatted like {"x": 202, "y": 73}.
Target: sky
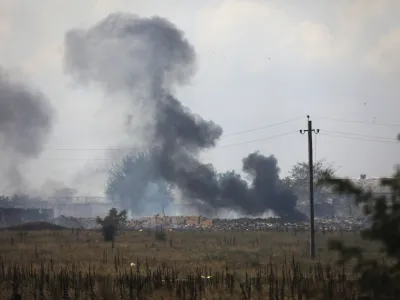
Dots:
{"x": 259, "y": 63}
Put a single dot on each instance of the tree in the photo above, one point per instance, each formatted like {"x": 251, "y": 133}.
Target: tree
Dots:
{"x": 111, "y": 223}
{"x": 299, "y": 178}
{"x": 135, "y": 183}
{"x": 378, "y": 278}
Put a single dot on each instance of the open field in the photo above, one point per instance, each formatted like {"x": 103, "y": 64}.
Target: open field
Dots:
{"x": 77, "y": 264}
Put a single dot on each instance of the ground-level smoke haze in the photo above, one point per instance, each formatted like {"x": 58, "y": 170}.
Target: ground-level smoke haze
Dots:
{"x": 26, "y": 118}
{"x": 136, "y": 184}
{"x": 146, "y": 59}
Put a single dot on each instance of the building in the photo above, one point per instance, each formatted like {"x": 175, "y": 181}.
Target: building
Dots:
{"x": 346, "y": 202}
{"x": 10, "y": 216}
{"x": 373, "y": 184}
{"x": 329, "y": 203}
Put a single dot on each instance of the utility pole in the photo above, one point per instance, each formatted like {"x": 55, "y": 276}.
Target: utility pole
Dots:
{"x": 310, "y": 131}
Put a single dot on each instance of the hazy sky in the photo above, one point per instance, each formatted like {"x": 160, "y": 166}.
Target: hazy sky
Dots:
{"x": 259, "y": 63}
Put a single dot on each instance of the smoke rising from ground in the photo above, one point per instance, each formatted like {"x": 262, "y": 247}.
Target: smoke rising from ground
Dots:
{"x": 136, "y": 184}
{"x": 146, "y": 59}
{"x": 25, "y": 122}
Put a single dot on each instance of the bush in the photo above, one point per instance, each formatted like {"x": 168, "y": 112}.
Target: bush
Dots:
{"x": 113, "y": 222}
{"x": 160, "y": 235}
{"x": 109, "y": 232}
{"x": 378, "y": 279}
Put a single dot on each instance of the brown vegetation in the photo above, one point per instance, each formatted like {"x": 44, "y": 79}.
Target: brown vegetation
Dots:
{"x": 77, "y": 264}
{"x": 34, "y": 226}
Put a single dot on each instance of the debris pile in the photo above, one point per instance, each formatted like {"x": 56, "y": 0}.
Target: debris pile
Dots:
{"x": 72, "y": 222}
{"x": 192, "y": 223}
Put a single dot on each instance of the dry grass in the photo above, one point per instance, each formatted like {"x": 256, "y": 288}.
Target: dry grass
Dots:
{"x": 72, "y": 264}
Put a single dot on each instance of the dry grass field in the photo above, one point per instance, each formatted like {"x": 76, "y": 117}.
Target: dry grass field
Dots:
{"x": 77, "y": 264}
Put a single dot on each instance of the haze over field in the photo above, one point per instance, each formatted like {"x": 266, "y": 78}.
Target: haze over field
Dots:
{"x": 107, "y": 78}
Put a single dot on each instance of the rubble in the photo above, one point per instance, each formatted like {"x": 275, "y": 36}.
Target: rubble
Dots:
{"x": 71, "y": 222}
{"x": 191, "y": 223}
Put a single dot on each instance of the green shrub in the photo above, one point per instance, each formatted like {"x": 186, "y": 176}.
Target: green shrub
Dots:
{"x": 377, "y": 278}
{"x": 113, "y": 222}
{"x": 160, "y": 234}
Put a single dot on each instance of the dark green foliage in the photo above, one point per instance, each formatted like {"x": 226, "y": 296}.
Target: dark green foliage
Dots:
{"x": 128, "y": 178}
{"x": 298, "y": 178}
{"x": 136, "y": 183}
{"x": 113, "y": 222}
{"x": 160, "y": 234}
{"x": 379, "y": 279}
{"x": 109, "y": 232}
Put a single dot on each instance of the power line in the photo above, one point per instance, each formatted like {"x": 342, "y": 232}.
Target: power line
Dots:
{"x": 233, "y": 134}
{"x": 358, "y": 135}
{"x": 358, "y": 122}
{"x": 323, "y": 132}
{"x": 225, "y": 135}
{"x": 257, "y": 140}
{"x": 393, "y": 141}
{"x": 263, "y": 127}
{"x": 238, "y": 133}
{"x": 217, "y": 147}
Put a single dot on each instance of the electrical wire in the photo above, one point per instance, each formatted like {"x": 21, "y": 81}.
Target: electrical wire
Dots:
{"x": 357, "y": 122}
{"x": 263, "y": 127}
{"x": 217, "y": 147}
{"x": 257, "y": 140}
{"x": 357, "y": 135}
{"x": 360, "y": 138}
{"x": 225, "y": 135}
{"x": 329, "y": 133}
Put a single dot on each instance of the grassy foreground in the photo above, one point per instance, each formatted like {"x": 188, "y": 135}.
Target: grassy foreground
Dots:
{"x": 70, "y": 264}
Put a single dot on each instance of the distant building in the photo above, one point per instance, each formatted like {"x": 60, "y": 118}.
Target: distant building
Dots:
{"x": 344, "y": 202}
{"x": 373, "y": 184}
{"x": 12, "y": 216}
{"x": 329, "y": 203}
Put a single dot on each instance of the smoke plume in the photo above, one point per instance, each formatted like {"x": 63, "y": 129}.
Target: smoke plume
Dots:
{"x": 137, "y": 185}
{"x": 25, "y": 122}
{"x": 147, "y": 59}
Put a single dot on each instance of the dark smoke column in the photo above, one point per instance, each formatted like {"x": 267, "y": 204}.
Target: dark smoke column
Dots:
{"x": 25, "y": 122}
{"x": 265, "y": 193}
{"x": 144, "y": 60}
{"x": 267, "y": 188}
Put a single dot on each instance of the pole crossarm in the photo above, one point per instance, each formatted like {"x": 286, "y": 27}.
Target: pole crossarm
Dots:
{"x": 303, "y": 131}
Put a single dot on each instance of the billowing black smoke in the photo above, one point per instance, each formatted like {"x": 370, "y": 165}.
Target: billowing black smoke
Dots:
{"x": 147, "y": 58}
{"x": 25, "y": 123}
